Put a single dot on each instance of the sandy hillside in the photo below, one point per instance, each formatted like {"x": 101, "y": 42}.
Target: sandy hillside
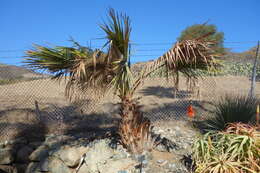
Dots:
{"x": 155, "y": 93}
{"x": 17, "y": 108}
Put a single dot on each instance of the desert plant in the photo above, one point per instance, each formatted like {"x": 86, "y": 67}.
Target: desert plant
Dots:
{"x": 234, "y": 150}
{"x": 231, "y": 109}
{"x": 84, "y": 69}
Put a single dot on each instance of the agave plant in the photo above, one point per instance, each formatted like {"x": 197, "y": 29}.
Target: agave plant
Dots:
{"x": 231, "y": 109}
{"x": 234, "y": 150}
{"x": 104, "y": 70}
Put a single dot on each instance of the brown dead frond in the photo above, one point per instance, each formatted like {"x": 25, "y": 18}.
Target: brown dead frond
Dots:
{"x": 185, "y": 57}
{"x": 89, "y": 74}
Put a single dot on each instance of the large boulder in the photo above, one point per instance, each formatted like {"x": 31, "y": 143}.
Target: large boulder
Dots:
{"x": 101, "y": 158}
{"x": 21, "y": 167}
{"x": 6, "y": 156}
{"x": 40, "y": 153}
{"x": 7, "y": 169}
{"x": 71, "y": 155}
{"x": 113, "y": 166}
{"x": 23, "y": 154}
{"x": 65, "y": 157}
{"x": 43, "y": 165}
{"x": 57, "y": 166}
{"x": 99, "y": 152}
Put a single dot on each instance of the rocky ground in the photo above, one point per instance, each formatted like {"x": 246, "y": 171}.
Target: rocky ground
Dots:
{"x": 98, "y": 153}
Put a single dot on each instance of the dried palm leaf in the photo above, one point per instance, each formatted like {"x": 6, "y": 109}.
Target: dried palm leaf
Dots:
{"x": 80, "y": 67}
{"x": 185, "y": 57}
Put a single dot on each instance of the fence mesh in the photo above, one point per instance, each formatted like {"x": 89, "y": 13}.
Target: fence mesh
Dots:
{"x": 158, "y": 98}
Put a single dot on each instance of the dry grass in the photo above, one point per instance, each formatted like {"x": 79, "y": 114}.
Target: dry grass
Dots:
{"x": 17, "y": 101}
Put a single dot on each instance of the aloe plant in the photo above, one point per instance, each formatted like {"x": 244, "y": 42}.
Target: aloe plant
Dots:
{"x": 234, "y": 150}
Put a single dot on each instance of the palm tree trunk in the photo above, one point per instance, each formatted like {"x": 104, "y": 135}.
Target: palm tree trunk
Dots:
{"x": 134, "y": 128}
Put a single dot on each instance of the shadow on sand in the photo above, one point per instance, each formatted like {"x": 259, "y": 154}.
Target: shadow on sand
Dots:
{"x": 164, "y": 92}
{"x": 36, "y": 125}
{"x": 69, "y": 120}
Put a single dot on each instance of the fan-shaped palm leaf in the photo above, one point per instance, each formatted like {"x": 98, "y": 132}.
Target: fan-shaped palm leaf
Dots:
{"x": 118, "y": 34}
{"x": 83, "y": 67}
{"x": 186, "y": 57}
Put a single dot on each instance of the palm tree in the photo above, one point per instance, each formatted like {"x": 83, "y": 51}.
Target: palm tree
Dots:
{"x": 85, "y": 68}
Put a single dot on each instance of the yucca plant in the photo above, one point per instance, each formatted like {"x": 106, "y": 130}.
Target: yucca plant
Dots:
{"x": 234, "y": 150}
{"x": 231, "y": 109}
{"x": 104, "y": 70}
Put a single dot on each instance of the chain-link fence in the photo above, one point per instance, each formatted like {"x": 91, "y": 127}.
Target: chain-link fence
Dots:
{"x": 19, "y": 97}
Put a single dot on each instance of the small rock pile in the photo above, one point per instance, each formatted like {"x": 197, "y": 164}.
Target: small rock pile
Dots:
{"x": 77, "y": 154}
{"x": 14, "y": 155}
{"x": 64, "y": 154}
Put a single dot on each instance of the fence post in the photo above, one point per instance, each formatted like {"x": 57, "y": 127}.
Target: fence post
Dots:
{"x": 253, "y": 78}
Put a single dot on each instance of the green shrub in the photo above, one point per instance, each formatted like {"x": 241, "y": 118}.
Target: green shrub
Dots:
{"x": 240, "y": 69}
{"x": 231, "y": 109}
{"x": 226, "y": 68}
{"x": 16, "y": 80}
{"x": 233, "y": 151}
{"x": 5, "y": 82}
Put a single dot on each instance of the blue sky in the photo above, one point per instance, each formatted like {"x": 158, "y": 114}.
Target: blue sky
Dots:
{"x": 155, "y": 24}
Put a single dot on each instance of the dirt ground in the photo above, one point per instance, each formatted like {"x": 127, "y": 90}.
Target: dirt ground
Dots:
{"x": 158, "y": 100}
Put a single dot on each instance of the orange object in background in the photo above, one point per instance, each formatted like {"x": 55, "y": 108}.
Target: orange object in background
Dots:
{"x": 190, "y": 111}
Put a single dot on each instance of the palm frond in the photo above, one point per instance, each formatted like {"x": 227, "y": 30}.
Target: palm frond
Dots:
{"x": 118, "y": 31}
{"x": 82, "y": 67}
{"x": 56, "y": 60}
{"x": 185, "y": 57}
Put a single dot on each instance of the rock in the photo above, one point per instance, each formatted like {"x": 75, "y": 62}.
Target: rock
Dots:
{"x": 56, "y": 142}
{"x": 160, "y": 131}
{"x": 43, "y": 165}
{"x": 53, "y": 139}
{"x": 38, "y": 167}
{"x": 98, "y": 153}
{"x": 83, "y": 169}
{"x": 35, "y": 145}
{"x": 82, "y": 150}
{"x": 21, "y": 168}
{"x": 7, "y": 169}
{"x": 23, "y": 154}
{"x": 70, "y": 156}
{"x": 103, "y": 159}
{"x": 162, "y": 162}
{"x": 39, "y": 154}
{"x": 177, "y": 167}
{"x": 172, "y": 166}
{"x": 57, "y": 166}
{"x": 18, "y": 141}
{"x": 6, "y": 156}
{"x": 2, "y": 145}
{"x": 166, "y": 145}
{"x": 113, "y": 166}
{"x": 32, "y": 167}
{"x": 145, "y": 163}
